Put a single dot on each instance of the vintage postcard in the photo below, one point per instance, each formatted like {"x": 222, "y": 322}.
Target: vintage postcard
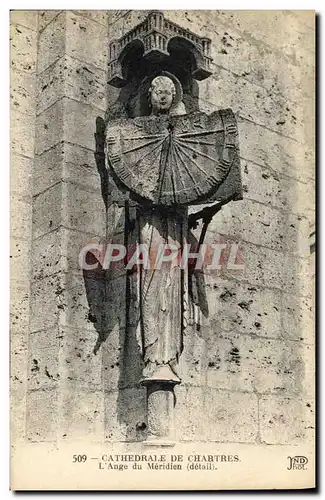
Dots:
{"x": 162, "y": 249}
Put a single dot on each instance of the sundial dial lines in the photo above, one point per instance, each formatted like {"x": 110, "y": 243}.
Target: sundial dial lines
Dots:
{"x": 169, "y": 165}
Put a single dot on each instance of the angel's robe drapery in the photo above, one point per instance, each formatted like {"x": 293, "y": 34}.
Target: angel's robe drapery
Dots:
{"x": 162, "y": 288}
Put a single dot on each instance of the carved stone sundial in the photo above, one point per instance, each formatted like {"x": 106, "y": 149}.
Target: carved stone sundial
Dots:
{"x": 173, "y": 160}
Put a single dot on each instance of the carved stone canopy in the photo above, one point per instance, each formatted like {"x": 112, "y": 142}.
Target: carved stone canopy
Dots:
{"x": 153, "y": 41}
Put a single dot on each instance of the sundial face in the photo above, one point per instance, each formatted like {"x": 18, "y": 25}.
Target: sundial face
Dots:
{"x": 173, "y": 160}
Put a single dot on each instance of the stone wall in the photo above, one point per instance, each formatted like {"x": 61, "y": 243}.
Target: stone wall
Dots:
{"x": 23, "y": 53}
{"x": 247, "y": 375}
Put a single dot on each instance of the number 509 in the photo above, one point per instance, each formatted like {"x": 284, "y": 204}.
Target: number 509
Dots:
{"x": 79, "y": 458}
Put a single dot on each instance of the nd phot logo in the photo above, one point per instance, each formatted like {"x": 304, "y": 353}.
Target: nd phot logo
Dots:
{"x": 297, "y": 463}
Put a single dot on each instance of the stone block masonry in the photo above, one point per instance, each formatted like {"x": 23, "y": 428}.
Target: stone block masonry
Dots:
{"x": 249, "y": 369}
{"x": 23, "y": 51}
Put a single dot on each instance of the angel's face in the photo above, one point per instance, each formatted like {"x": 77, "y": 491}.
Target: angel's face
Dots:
{"x": 162, "y": 93}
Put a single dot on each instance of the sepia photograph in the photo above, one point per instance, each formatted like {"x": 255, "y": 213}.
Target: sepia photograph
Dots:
{"x": 162, "y": 250}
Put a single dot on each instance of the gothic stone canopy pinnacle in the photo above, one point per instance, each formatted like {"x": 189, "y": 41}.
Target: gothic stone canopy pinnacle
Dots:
{"x": 156, "y": 36}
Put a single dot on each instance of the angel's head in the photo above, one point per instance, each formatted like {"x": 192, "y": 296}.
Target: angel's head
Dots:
{"x": 162, "y": 93}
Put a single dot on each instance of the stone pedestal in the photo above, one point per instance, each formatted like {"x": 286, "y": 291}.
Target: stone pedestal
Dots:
{"x": 160, "y": 407}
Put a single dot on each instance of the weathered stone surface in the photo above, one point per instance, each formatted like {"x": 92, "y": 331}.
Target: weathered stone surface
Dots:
{"x": 43, "y": 359}
{"x": 264, "y": 185}
{"x": 80, "y": 166}
{"x": 283, "y": 155}
{"x": 19, "y": 260}
{"x": 79, "y": 216}
{"x": 235, "y": 305}
{"x": 121, "y": 358}
{"x": 21, "y": 216}
{"x": 50, "y": 130}
{"x": 284, "y": 420}
{"x": 298, "y": 318}
{"x": 84, "y": 302}
{"x": 252, "y": 271}
{"x": 47, "y": 214}
{"x": 292, "y": 274}
{"x": 309, "y": 362}
{"x": 48, "y": 255}
{"x": 60, "y": 249}
{"x": 125, "y": 415}
{"x": 74, "y": 34}
{"x": 18, "y": 360}
{"x": 238, "y": 306}
{"x": 239, "y": 411}
{"x": 271, "y": 228}
{"x": 49, "y": 127}
{"x": 263, "y": 67}
{"x": 41, "y": 418}
{"x": 231, "y": 418}
{"x": 45, "y": 17}
{"x": 117, "y": 286}
{"x": 100, "y": 16}
{"x": 76, "y": 242}
{"x": 255, "y": 103}
{"x": 298, "y": 43}
{"x": 193, "y": 360}
{"x": 65, "y": 162}
{"x": 20, "y": 175}
{"x": 255, "y": 365}
{"x": 82, "y": 414}
{"x": 79, "y": 365}
{"x": 22, "y": 131}
{"x": 87, "y": 304}
{"x": 18, "y": 380}
{"x": 72, "y": 78}
{"x": 122, "y": 21}
{"x": 17, "y": 416}
{"x": 46, "y": 302}
{"x": 85, "y": 116}
{"x": 272, "y": 269}
{"x": 26, "y": 18}
{"x": 22, "y": 92}
{"x": 48, "y": 169}
{"x": 19, "y": 308}
{"x": 278, "y": 80}
{"x": 86, "y": 39}
{"x": 52, "y": 38}
{"x": 237, "y": 361}
{"x": 244, "y": 26}
{"x": 22, "y": 48}
{"x": 115, "y": 15}
{"x": 112, "y": 359}
{"x": 84, "y": 209}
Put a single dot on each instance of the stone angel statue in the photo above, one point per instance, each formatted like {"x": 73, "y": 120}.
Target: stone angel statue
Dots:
{"x": 167, "y": 161}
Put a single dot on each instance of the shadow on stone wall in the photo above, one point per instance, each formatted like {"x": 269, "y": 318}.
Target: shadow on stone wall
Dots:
{"x": 110, "y": 297}
{"x": 196, "y": 286}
